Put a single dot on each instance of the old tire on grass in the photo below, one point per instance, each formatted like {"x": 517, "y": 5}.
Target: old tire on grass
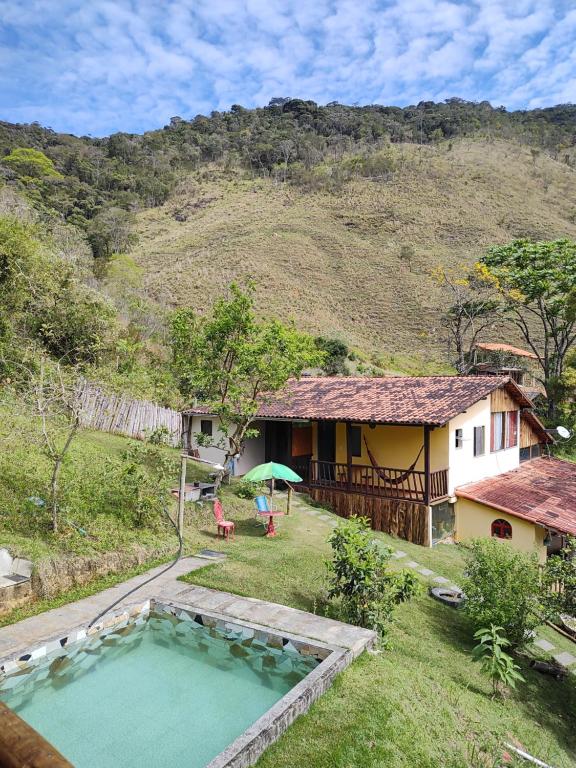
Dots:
{"x": 449, "y": 597}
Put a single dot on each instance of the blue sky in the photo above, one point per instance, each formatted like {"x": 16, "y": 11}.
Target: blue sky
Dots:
{"x": 99, "y": 66}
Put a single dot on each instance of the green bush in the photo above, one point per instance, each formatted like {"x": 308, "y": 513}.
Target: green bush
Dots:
{"x": 75, "y": 324}
{"x": 502, "y": 588}
{"x": 247, "y": 490}
{"x": 560, "y": 569}
{"x": 360, "y": 581}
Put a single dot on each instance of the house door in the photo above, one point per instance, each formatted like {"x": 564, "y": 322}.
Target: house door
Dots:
{"x": 278, "y": 442}
{"x": 327, "y": 441}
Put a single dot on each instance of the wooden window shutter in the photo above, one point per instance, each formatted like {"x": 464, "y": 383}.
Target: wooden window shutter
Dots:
{"x": 492, "y": 431}
{"x": 512, "y": 431}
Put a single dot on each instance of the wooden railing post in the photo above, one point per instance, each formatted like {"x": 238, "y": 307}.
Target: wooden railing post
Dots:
{"x": 427, "y": 465}
{"x": 349, "y": 455}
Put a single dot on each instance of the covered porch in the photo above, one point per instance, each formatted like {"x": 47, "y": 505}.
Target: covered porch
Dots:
{"x": 402, "y": 462}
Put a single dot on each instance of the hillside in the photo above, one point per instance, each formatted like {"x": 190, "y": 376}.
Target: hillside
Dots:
{"x": 332, "y": 258}
{"x": 339, "y": 213}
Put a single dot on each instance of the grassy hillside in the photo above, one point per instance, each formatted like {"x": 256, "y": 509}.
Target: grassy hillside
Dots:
{"x": 93, "y": 494}
{"x": 332, "y": 258}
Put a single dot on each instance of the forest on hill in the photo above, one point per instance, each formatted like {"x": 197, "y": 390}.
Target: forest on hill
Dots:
{"x": 97, "y": 183}
{"x": 338, "y": 214}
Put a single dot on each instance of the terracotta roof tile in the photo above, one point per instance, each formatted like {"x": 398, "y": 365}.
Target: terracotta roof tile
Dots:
{"x": 541, "y": 490}
{"x": 495, "y": 347}
{"x": 432, "y": 400}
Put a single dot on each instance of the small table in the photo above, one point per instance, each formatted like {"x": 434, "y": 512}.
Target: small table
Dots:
{"x": 270, "y": 528}
{"x": 196, "y": 491}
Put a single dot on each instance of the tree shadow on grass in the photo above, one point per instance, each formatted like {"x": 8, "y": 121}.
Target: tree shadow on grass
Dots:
{"x": 548, "y": 702}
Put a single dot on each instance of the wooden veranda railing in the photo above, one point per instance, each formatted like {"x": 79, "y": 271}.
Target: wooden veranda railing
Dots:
{"x": 387, "y": 482}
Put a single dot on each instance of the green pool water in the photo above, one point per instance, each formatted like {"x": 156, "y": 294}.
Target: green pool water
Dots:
{"x": 158, "y": 693}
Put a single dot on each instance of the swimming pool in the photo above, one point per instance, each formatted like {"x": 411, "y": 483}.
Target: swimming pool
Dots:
{"x": 163, "y": 687}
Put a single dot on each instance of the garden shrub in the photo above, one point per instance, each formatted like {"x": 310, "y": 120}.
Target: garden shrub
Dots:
{"x": 247, "y": 490}
{"x": 560, "y": 570}
{"x": 502, "y": 588}
{"x": 366, "y": 591}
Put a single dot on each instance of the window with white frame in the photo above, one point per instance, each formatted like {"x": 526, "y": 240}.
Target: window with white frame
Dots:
{"x": 459, "y": 438}
{"x": 503, "y": 430}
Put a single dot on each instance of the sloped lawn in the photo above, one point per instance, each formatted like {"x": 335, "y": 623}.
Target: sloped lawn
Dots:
{"x": 420, "y": 704}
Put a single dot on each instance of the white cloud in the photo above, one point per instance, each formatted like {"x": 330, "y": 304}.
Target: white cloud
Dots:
{"x": 131, "y": 64}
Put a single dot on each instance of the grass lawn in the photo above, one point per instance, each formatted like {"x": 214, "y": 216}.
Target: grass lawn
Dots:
{"x": 422, "y": 703}
{"x": 86, "y": 500}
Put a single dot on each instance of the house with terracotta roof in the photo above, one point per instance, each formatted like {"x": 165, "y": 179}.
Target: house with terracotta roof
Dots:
{"x": 396, "y": 449}
{"x": 500, "y": 359}
{"x": 533, "y": 506}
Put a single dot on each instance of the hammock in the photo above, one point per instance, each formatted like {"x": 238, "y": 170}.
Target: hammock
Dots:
{"x": 383, "y": 476}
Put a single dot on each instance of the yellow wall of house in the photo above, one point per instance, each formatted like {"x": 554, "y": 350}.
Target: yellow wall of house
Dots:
{"x": 395, "y": 446}
{"x": 474, "y": 520}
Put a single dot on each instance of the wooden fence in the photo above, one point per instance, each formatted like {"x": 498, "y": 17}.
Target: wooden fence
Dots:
{"x": 125, "y": 416}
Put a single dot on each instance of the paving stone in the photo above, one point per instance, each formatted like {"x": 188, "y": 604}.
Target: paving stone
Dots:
{"x": 565, "y": 658}
{"x": 455, "y": 588}
{"x": 398, "y": 554}
{"x": 413, "y": 564}
{"x": 544, "y": 644}
{"x": 441, "y": 580}
{"x": 425, "y": 571}
{"x": 325, "y": 517}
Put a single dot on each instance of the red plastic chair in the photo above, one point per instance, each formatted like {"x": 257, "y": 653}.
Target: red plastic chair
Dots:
{"x": 226, "y": 526}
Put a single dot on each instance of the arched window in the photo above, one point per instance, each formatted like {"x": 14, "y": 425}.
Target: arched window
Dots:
{"x": 501, "y": 529}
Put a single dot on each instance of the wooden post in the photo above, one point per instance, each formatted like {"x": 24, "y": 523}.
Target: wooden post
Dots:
{"x": 289, "y": 502}
{"x": 349, "y": 454}
{"x": 182, "y": 494}
{"x": 427, "y": 465}
{"x": 21, "y": 745}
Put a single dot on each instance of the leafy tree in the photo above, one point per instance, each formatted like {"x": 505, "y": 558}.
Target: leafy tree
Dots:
{"x": 560, "y": 569}
{"x": 231, "y": 361}
{"x": 18, "y": 253}
{"x": 498, "y": 665}
{"x": 110, "y": 232}
{"x": 360, "y": 580}
{"x": 472, "y": 310}
{"x": 537, "y": 284}
{"x": 335, "y": 355}
{"x": 30, "y": 162}
{"x": 146, "y": 473}
{"x": 502, "y": 587}
{"x": 51, "y": 392}
{"x": 41, "y": 299}
{"x": 75, "y": 323}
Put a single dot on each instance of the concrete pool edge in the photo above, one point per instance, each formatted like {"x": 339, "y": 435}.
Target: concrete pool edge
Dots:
{"x": 247, "y": 747}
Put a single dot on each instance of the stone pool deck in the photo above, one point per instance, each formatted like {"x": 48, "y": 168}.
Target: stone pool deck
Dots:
{"x": 38, "y": 629}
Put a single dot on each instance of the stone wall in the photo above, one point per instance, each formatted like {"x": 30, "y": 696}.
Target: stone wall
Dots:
{"x": 52, "y": 576}
{"x": 15, "y": 596}
{"x": 55, "y": 575}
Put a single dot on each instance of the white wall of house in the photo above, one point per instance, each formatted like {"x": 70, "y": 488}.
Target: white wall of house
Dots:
{"x": 252, "y": 455}
{"x": 464, "y": 467}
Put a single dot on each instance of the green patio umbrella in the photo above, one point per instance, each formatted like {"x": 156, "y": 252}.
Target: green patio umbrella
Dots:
{"x": 273, "y": 471}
